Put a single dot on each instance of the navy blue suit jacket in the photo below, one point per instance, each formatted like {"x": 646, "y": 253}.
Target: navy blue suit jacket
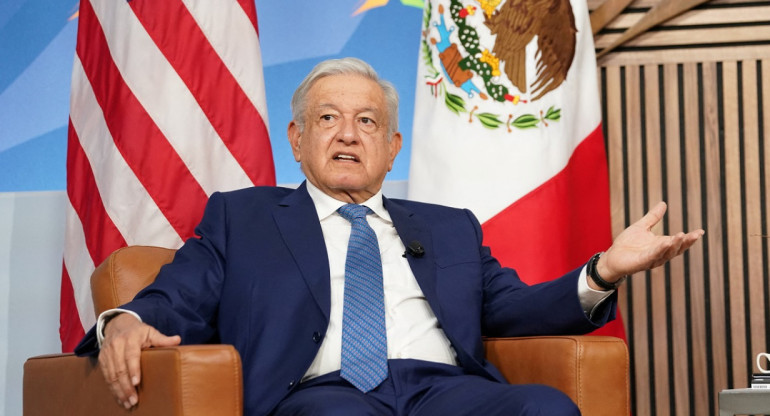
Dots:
{"x": 257, "y": 277}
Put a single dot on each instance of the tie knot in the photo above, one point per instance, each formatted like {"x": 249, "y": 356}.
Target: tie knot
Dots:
{"x": 353, "y": 211}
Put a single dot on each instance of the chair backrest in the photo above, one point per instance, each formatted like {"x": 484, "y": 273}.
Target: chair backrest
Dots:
{"x": 124, "y": 273}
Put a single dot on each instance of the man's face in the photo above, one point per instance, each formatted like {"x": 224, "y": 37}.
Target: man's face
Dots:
{"x": 344, "y": 148}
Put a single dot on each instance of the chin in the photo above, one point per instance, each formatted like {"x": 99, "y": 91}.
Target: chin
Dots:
{"x": 347, "y": 187}
{"x": 347, "y": 182}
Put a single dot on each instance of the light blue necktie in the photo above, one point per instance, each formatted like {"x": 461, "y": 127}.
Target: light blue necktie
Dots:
{"x": 364, "y": 341}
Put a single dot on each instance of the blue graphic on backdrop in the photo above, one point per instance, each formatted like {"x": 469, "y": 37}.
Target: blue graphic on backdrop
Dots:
{"x": 387, "y": 37}
{"x": 37, "y": 43}
{"x": 37, "y": 46}
{"x": 290, "y": 30}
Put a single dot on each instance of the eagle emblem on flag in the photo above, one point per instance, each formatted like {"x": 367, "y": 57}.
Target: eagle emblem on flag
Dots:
{"x": 476, "y": 56}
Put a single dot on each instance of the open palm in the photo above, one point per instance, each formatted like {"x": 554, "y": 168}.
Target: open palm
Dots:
{"x": 637, "y": 248}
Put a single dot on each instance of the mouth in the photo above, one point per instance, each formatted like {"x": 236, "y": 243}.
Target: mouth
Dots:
{"x": 345, "y": 157}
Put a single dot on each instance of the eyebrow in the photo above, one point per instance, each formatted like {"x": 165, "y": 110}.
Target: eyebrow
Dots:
{"x": 324, "y": 106}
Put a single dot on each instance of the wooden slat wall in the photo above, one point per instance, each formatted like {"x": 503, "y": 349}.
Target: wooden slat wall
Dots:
{"x": 687, "y": 117}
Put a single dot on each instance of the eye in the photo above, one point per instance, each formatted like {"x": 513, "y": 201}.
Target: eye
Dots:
{"x": 368, "y": 124}
{"x": 327, "y": 120}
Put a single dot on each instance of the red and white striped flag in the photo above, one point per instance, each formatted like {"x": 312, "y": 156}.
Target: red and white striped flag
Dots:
{"x": 167, "y": 107}
{"x": 508, "y": 124}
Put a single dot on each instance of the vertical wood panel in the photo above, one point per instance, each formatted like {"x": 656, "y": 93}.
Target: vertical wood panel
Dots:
{"x": 638, "y": 287}
{"x": 756, "y": 286}
{"x": 689, "y": 126}
{"x": 765, "y": 201}
{"x": 674, "y": 221}
{"x": 613, "y": 107}
{"x": 694, "y": 347}
{"x": 714, "y": 234}
{"x": 686, "y": 133}
{"x": 650, "y": 92}
{"x": 734, "y": 191}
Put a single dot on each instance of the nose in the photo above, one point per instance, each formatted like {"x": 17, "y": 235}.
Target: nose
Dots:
{"x": 348, "y": 132}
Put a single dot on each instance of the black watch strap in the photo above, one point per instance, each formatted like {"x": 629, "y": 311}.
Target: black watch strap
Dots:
{"x": 594, "y": 274}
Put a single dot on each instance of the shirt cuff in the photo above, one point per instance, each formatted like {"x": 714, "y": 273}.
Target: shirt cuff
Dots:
{"x": 590, "y": 298}
{"x": 105, "y": 317}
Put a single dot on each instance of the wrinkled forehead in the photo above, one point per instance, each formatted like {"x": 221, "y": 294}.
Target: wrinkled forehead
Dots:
{"x": 347, "y": 90}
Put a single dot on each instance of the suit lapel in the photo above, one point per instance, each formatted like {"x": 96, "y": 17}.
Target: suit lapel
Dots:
{"x": 300, "y": 229}
{"x": 298, "y": 223}
{"x": 411, "y": 228}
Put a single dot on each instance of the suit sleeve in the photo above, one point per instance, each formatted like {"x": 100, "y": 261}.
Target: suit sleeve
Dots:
{"x": 510, "y": 307}
{"x": 184, "y": 298}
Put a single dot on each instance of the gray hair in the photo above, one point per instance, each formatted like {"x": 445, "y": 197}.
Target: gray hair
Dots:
{"x": 344, "y": 66}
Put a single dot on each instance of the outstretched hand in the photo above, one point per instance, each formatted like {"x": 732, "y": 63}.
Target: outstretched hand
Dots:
{"x": 119, "y": 358}
{"x": 637, "y": 248}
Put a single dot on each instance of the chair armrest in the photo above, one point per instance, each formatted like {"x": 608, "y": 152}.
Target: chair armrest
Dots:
{"x": 592, "y": 370}
{"x": 188, "y": 380}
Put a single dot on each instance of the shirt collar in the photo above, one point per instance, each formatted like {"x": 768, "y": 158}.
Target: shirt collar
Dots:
{"x": 325, "y": 205}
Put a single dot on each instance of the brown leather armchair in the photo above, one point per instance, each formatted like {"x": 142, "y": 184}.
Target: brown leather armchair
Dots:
{"x": 206, "y": 379}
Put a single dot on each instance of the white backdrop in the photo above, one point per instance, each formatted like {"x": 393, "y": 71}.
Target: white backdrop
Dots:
{"x": 31, "y": 239}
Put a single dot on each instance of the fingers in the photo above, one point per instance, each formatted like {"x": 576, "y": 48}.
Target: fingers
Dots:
{"x": 675, "y": 246}
{"x": 133, "y": 360}
{"x": 681, "y": 242}
{"x": 689, "y": 239}
{"x": 120, "y": 355}
{"x": 156, "y": 339}
{"x": 653, "y": 216}
{"x": 673, "y": 250}
{"x": 119, "y": 362}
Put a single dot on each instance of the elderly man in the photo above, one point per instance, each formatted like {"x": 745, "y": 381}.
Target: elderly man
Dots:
{"x": 341, "y": 301}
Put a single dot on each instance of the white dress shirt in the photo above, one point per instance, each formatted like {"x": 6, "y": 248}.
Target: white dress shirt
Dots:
{"x": 412, "y": 328}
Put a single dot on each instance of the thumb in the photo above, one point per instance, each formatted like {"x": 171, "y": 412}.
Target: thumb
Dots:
{"x": 653, "y": 216}
{"x": 156, "y": 339}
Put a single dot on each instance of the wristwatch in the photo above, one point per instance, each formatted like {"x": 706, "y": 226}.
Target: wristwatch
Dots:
{"x": 594, "y": 274}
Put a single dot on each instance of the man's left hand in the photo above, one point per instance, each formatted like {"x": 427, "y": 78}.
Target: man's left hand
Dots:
{"x": 637, "y": 248}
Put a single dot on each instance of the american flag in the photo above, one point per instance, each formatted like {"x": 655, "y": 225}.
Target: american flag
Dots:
{"x": 167, "y": 107}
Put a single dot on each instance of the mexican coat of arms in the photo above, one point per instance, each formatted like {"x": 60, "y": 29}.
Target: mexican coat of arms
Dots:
{"x": 476, "y": 52}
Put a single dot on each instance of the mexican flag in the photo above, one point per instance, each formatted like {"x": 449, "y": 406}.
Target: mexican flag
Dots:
{"x": 507, "y": 123}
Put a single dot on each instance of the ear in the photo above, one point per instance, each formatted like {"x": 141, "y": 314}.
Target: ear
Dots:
{"x": 294, "y": 138}
{"x": 395, "y": 147}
